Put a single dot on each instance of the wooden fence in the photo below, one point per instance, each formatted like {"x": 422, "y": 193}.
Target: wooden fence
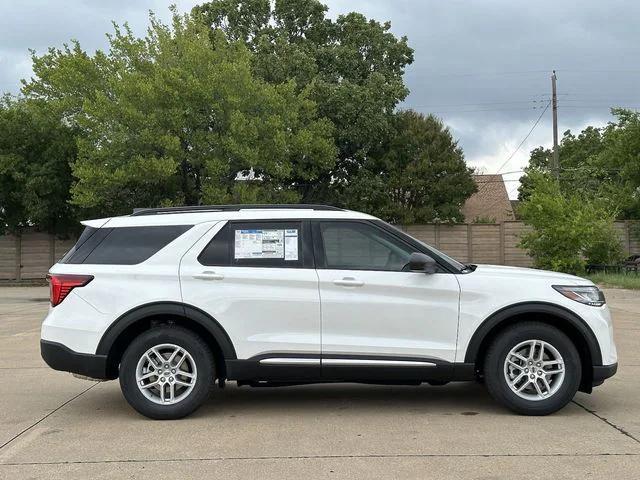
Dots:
{"x": 29, "y": 256}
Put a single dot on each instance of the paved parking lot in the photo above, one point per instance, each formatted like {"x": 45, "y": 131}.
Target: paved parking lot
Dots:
{"x": 55, "y": 426}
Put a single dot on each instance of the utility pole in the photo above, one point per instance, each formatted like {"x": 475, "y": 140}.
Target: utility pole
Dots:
{"x": 554, "y": 105}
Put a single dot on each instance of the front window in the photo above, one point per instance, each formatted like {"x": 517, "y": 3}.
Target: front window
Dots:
{"x": 359, "y": 246}
{"x": 433, "y": 252}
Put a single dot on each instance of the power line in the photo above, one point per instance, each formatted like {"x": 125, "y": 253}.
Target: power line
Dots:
{"x": 598, "y": 71}
{"x": 497, "y": 181}
{"x": 531, "y": 100}
{"x": 520, "y": 72}
{"x": 608, "y": 106}
{"x": 480, "y": 74}
{"x": 487, "y": 110}
{"x": 525, "y": 138}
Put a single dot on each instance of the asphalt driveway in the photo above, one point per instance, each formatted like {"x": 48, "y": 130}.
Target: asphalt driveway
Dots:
{"x": 53, "y": 425}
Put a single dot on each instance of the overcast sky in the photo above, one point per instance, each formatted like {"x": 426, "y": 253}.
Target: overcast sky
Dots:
{"x": 483, "y": 66}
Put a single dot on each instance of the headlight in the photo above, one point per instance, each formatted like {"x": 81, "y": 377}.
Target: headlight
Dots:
{"x": 589, "y": 295}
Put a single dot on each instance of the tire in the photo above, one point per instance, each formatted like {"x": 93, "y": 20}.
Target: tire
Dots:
{"x": 155, "y": 391}
{"x": 540, "y": 398}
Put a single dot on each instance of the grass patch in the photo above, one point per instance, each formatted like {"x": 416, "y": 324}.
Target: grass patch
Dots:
{"x": 630, "y": 281}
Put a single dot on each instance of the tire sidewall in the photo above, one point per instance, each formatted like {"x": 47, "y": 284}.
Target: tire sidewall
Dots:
{"x": 494, "y": 369}
{"x": 198, "y": 350}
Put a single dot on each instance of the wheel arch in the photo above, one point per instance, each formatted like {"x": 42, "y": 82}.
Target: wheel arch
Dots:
{"x": 567, "y": 321}
{"x": 124, "y": 329}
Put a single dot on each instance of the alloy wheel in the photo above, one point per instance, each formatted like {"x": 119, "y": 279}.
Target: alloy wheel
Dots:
{"x": 534, "y": 370}
{"x": 166, "y": 374}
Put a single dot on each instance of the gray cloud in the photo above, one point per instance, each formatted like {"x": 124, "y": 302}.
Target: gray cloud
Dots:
{"x": 40, "y": 24}
{"x": 483, "y": 67}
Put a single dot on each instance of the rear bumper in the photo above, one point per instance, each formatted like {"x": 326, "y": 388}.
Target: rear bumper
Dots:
{"x": 60, "y": 357}
{"x": 602, "y": 372}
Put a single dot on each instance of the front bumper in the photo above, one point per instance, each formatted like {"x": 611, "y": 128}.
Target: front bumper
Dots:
{"x": 60, "y": 357}
{"x": 602, "y": 372}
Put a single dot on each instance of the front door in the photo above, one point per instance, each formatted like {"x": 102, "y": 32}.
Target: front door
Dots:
{"x": 375, "y": 313}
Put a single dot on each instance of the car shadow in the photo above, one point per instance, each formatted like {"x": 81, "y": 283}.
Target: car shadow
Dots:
{"x": 462, "y": 398}
{"x": 347, "y": 396}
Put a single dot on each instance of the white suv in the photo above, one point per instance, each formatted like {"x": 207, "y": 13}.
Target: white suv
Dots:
{"x": 172, "y": 300}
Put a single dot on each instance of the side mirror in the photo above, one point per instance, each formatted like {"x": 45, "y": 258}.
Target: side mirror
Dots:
{"x": 419, "y": 262}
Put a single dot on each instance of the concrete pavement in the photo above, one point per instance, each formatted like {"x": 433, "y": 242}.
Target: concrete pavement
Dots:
{"x": 55, "y": 426}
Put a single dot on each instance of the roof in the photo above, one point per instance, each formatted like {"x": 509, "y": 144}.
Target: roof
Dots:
{"x": 219, "y": 213}
{"x": 230, "y": 208}
{"x": 491, "y": 201}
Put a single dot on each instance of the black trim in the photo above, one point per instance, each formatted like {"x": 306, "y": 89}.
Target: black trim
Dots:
{"x": 219, "y": 251}
{"x": 399, "y": 358}
{"x": 61, "y": 357}
{"x": 167, "y": 308}
{"x": 602, "y": 372}
{"x": 533, "y": 307}
{"x": 137, "y": 212}
{"x": 441, "y": 370}
{"x": 251, "y": 371}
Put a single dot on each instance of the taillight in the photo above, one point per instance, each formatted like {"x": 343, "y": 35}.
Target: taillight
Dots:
{"x": 61, "y": 285}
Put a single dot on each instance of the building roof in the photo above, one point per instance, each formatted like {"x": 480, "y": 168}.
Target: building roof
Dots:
{"x": 491, "y": 201}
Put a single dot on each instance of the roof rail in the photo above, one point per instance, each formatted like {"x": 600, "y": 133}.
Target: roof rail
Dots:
{"x": 137, "y": 212}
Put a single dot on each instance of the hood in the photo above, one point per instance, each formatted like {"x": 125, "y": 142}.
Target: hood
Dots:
{"x": 519, "y": 272}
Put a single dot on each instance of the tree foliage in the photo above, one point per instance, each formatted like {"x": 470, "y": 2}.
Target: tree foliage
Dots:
{"x": 599, "y": 163}
{"x": 569, "y": 229}
{"x": 177, "y": 117}
{"x": 35, "y": 152}
{"x": 417, "y": 175}
{"x": 351, "y": 67}
{"x": 243, "y": 101}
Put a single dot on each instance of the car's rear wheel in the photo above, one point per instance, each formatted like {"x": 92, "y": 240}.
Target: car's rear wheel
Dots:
{"x": 167, "y": 372}
{"x": 532, "y": 368}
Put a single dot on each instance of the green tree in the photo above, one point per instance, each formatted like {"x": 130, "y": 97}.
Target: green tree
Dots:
{"x": 599, "y": 163}
{"x": 351, "y": 67}
{"x": 569, "y": 229}
{"x": 417, "y": 175}
{"x": 36, "y": 150}
{"x": 620, "y": 159}
{"x": 178, "y": 117}
{"x": 577, "y": 162}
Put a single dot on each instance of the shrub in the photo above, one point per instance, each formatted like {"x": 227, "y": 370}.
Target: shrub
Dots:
{"x": 569, "y": 230}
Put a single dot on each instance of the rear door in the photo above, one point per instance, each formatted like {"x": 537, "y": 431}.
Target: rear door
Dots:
{"x": 257, "y": 279}
{"x": 374, "y": 312}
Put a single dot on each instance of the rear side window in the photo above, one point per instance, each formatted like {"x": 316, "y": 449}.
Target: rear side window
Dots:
{"x": 257, "y": 244}
{"x": 122, "y": 245}
{"x": 87, "y": 233}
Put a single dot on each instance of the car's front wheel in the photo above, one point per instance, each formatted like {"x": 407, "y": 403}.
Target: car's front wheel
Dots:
{"x": 532, "y": 368}
{"x": 167, "y": 372}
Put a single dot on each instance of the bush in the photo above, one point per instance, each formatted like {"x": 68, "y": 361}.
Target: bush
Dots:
{"x": 569, "y": 230}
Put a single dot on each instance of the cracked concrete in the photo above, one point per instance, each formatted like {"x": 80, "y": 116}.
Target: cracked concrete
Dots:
{"x": 55, "y": 426}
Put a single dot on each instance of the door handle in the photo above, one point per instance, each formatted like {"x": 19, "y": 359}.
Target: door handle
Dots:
{"x": 208, "y": 276}
{"x": 349, "y": 282}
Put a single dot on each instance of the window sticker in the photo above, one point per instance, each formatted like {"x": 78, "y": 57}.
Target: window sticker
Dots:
{"x": 291, "y": 244}
{"x": 281, "y": 244}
